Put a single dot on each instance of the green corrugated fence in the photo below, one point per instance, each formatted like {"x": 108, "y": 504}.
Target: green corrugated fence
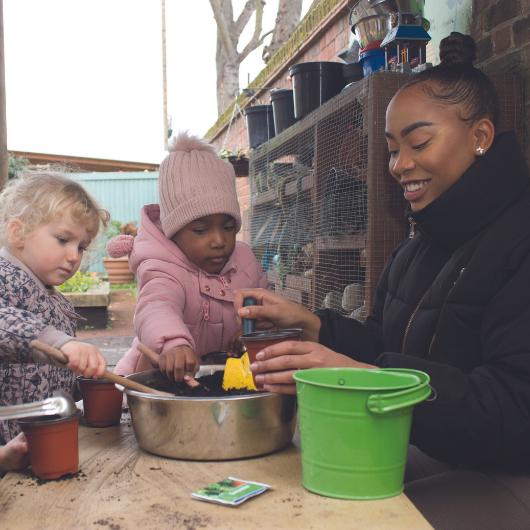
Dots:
{"x": 121, "y": 193}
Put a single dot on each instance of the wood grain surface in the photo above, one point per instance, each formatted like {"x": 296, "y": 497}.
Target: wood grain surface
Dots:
{"x": 121, "y": 487}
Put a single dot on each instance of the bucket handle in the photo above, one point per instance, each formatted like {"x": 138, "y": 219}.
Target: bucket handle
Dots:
{"x": 382, "y": 403}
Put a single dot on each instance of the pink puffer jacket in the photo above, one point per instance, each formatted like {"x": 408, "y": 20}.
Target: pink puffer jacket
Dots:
{"x": 178, "y": 303}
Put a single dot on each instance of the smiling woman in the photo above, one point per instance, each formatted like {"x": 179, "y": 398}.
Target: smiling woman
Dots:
{"x": 436, "y": 128}
{"x": 430, "y": 145}
{"x": 453, "y": 301}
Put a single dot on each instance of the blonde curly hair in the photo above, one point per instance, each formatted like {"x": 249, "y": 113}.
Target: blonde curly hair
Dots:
{"x": 39, "y": 197}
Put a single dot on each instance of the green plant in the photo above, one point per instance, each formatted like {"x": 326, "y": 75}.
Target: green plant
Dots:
{"x": 237, "y": 155}
{"x": 116, "y": 228}
{"x": 113, "y": 229}
{"x": 15, "y": 164}
{"x": 124, "y": 287}
{"x": 80, "y": 282}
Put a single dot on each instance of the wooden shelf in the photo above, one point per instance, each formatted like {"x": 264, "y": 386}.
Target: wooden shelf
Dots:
{"x": 290, "y": 294}
{"x": 263, "y": 197}
{"x": 307, "y": 184}
{"x": 343, "y": 242}
{"x": 273, "y": 277}
{"x": 300, "y": 283}
{"x": 346, "y": 133}
{"x": 291, "y": 188}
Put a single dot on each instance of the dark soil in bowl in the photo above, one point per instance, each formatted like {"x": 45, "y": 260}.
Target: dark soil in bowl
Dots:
{"x": 210, "y": 386}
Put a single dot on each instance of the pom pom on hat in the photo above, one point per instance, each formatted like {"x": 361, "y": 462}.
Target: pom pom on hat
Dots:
{"x": 195, "y": 182}
{"x": 185, "y": 142}
{"x": 120, "y": 246}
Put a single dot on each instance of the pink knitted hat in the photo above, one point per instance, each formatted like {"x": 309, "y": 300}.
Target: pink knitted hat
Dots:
{"x": 194, "y": 182}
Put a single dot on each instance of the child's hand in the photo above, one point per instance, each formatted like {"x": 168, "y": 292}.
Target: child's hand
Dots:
{"x": 14, "y": 455}
{"x": 84, "y": 359}
{"x": 178, "y": 361}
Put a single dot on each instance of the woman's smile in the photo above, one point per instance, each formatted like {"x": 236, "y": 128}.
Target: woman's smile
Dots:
{"x": 415, "y": 189}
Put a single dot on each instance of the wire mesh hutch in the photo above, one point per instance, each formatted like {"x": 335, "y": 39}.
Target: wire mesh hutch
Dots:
{"x": 325, "y": 213}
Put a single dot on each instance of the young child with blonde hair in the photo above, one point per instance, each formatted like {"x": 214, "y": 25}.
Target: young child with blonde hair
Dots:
{"x": 187, "y": 262}
{"x": 47, "y": 221}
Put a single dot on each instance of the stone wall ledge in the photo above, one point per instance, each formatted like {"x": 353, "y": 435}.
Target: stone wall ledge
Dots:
{"x": 97, "y": 296}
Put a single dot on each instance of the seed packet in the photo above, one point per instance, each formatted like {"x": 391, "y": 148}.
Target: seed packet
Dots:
{"x": 231, "y": 491}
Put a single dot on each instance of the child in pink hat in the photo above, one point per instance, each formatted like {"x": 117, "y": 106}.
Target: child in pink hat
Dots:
{"x": 187, "y": 262}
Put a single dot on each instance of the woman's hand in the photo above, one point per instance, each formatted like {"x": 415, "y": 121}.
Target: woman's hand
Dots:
{"x": 178, "y": 361}
{"x": 274, "y": 311}
{"x": 84, "y": 359}
{"x": 274, "y": 367}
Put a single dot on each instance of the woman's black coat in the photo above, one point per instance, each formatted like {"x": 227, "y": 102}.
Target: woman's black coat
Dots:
{"x": 454, "y": 301}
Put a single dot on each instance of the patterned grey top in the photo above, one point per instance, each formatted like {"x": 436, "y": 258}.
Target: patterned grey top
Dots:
{"x": 29, "y": 310}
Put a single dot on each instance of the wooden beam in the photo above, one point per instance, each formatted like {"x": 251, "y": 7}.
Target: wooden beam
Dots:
{"x": 85, "y": 163}
{"x": 3, "y": 127}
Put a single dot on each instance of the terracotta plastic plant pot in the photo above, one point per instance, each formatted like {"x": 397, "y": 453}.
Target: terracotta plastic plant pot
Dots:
{"x": 53, "y": 445}
{"x": 102, "y": 402}
{"x": 257, "y": 340}
{"x": 118, "y": 270}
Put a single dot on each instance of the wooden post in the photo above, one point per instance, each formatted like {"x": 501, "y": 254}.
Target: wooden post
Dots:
{"x": 3, "y": 127}
{"x": 164, "y": 77}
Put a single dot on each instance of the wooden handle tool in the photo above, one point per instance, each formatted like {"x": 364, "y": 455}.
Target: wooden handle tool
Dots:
{"x": 149, "y": 353}
{"x": 153, "y": 358}
{"x": 60, "y": 357}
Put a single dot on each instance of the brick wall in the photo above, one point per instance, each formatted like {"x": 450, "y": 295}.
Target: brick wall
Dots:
{"x": 501, "y": 29}
{"x": 329, "y": 42}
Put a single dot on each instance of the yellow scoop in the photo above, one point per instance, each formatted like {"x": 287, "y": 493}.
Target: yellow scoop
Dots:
{"x": 237, "y": 374}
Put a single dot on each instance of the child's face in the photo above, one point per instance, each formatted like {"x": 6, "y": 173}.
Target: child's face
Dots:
{"x": 430, "y": 145}
{"x": 208, "y": 242}
{"x": 52, "y": 251}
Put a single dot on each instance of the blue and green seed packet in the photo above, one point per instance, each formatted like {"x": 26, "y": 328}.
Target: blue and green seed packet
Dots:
{"x": 231, "y": 491}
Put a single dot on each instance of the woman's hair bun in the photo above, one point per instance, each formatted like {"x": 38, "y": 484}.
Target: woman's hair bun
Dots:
{"x": 458, "y": 49}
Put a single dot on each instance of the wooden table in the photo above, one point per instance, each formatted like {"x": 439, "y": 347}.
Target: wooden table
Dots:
{"x": 121, "y": 487}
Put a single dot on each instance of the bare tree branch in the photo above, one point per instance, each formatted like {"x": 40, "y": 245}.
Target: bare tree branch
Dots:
{"x": 287, "y": 17}
{"x": 255, "y": 40}
{"x": 243, "y": 54}
{"x": 223, "y": 27}
{"x": 228, "y": 59}
{"x": 244, "y": 17}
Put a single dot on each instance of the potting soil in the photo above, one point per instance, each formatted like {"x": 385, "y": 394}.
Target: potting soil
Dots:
{"x": 210, "y": 386}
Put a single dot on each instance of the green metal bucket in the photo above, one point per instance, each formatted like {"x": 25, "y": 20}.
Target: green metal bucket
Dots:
{"x": 355, "y": 428}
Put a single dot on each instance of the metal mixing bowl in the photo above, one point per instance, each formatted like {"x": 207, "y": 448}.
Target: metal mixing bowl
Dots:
{"x": 371, "y": 29}
{"x": 209, "y": 428}
{"x": 361, "y": 10}
{"x": 394, "y": 6}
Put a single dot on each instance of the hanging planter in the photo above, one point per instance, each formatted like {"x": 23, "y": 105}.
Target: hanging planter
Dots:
{"x": 238, "y": 159}
{"x": 240, "y": 164}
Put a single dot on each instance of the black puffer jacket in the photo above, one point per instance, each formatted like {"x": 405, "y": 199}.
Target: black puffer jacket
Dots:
{"x": 454, "y": 301}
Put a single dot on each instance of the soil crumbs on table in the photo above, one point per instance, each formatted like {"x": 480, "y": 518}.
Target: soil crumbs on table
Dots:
{"x": 80, "y": 475}
{"x": 108, "y": 523}
{"x": 162, "y": 513}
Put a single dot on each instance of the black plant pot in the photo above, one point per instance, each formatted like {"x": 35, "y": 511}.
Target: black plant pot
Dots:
{"x": 260, "y": 124}
{"x": 240, "y": 165}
